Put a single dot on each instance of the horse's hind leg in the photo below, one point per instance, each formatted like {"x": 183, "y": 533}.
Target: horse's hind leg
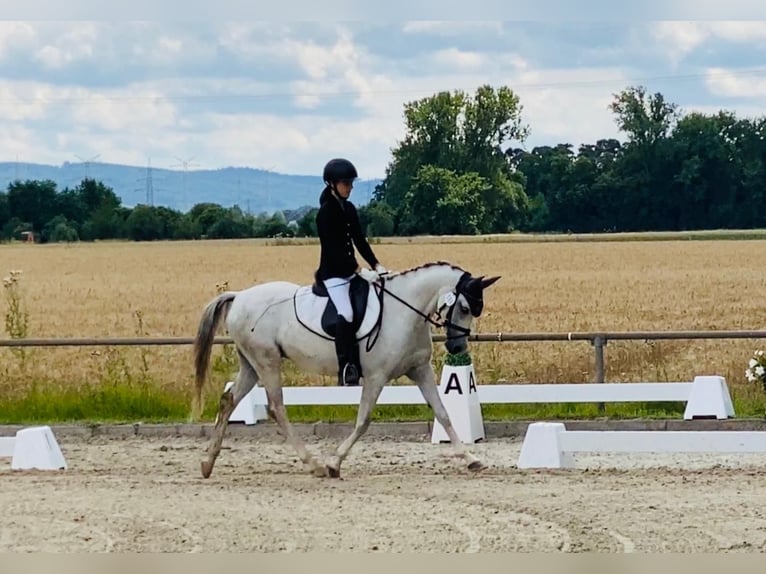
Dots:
{"x": 243, "y": 384}
{"x": 271, "y": 379}
{"x": 370, "y": 393}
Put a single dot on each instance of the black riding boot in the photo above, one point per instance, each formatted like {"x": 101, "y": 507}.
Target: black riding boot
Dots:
{"x": 347, "y": 350}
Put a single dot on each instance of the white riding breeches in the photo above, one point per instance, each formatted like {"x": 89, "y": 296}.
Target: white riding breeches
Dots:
{"x": 338, "y": 290}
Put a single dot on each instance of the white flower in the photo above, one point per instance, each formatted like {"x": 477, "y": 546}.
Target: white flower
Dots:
{"x": 752, "y": 363}
{"x": 759, "y": 370}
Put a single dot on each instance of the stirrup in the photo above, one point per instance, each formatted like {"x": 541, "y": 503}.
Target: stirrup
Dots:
{"x": 350, "y": 375}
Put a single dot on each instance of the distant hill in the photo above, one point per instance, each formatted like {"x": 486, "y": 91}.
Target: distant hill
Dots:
{"x": 253, "y": 190}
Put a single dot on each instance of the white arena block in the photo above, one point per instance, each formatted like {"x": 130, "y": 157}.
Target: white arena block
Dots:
{"x": 247, "y": 411}
{"x": 709, "y": 397}
{"x": 663, "y": 441}
{"x": 457, "y": 389}
{"x": 6, "y": 446}
{"x": 37, "y": 448}
{"x": 542, "y": 447}
{"x": 550, "y": 445}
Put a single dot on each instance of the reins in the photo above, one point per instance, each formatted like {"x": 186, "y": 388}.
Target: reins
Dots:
{"x": 443, "y": 323}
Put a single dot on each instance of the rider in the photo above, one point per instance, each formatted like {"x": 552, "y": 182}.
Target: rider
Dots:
{"x": 338, "y": 226}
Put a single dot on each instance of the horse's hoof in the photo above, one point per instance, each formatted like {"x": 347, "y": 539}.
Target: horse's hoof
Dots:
{"x": 207, "y": 469}
{"x": 333, "y": 472}
{"x": 320, "y": 471}
{"x": 476, "y": 466}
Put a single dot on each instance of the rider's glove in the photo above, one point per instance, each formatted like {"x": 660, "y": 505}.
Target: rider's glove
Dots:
{"x": 368, "y": 274}
{"x": 380, "y": 269}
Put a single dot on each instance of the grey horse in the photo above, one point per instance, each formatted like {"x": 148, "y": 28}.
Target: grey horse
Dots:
{"x": 272, "y": 321}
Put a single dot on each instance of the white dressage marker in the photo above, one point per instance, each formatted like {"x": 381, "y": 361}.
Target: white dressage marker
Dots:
{"x": 550, "y": 445}
{"x": 709, "y": 396}
{"x": 248, "y": 411}
{"x": 460, "y": 396}
{"x": 33, "y": 448}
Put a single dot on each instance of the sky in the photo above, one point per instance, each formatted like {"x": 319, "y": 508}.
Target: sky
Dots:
{"x": 288, "y": 95}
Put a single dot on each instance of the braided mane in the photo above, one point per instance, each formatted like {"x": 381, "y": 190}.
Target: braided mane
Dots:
{"x": 425, "y": 266}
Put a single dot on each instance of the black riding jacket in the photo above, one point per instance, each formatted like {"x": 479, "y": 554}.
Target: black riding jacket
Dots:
{"x": 338, "y": 227}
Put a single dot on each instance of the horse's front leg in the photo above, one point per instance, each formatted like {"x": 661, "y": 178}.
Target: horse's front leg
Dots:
{"x": 425, "y": 378}
{"x": 371, "y": 389}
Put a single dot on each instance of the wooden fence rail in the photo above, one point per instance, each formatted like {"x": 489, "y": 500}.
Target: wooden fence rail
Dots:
{"x": 597, "y": 339}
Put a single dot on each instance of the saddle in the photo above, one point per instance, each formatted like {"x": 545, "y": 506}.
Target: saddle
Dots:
{"x": 315, "y": 310}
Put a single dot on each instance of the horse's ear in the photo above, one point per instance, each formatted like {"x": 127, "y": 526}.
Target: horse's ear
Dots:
{"x": 487, "y": 282}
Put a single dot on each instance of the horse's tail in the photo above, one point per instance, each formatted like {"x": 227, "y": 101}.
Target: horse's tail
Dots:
{"x": 216, "y": 310}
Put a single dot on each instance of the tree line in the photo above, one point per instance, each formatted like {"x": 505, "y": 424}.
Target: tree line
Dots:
{"x": 93, "y": 211}
{"x": 462, "y": 169}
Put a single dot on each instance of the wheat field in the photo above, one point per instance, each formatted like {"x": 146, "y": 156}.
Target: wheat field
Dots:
{"x": 115, "y": 289}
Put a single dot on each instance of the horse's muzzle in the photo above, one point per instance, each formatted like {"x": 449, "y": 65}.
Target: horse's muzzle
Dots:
{"x": 455, "y": 346}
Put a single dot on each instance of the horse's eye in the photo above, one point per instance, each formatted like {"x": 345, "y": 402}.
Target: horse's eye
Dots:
{"x": 464, "y": 309}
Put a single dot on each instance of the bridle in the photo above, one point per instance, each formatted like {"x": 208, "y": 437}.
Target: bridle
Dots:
{"x": 450, "y": 300}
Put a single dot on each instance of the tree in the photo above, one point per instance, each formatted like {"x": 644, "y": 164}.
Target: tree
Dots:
{"x": 187, "y": 228}
{"x": 32, "y": 202}
{"x": 70, "y": 203}
{"x": 463, "y": 135}
{"x": 704, "y": 185}
{"x": 547, "y": 171}
{"x": 307, "y": 225}
{"x": 231, "y": 224}
{"x": 206, "y": 214}
{"x": 5, "y": 210}
{"x": 643, "y": 167}
{"x": 145, "y": 224}
{"x": 273, "y": 226}
{"x": 749, "y": 136}
{"x": 59, "y": 230}
{"x": 445, "y": 203}
{"x": 95, "y": 195}
{"x": 377, "y": 218}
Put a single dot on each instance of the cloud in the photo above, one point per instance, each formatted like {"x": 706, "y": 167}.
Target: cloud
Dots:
{"x": 290, "y": 95}
{"x": 735, "y": 84}
{"x": 451, "y": 28}
{"x": 75, "y": 43}
{"x": 15, "y": 36}
{"x": 684, "y": 37}
{"x": 455, "y": 58}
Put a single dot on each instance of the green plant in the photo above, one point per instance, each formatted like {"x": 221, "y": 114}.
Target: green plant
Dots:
{"x": 16, "y": 315}
{"x": 458, "y": 359}
{"x": 143, "y": 352}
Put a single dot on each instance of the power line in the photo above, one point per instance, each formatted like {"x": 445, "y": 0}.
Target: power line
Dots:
{"x": 87, "y": 163}
{"x": 148, "y": 181}
{"x": 185, "y": 163}
{"x": 327, "y": 94}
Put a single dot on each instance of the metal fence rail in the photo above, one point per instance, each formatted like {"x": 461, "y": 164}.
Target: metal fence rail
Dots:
{"x": 597, "y": 339}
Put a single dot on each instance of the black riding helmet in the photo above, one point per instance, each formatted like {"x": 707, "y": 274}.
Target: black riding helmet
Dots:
{"x": 339, "y": 169}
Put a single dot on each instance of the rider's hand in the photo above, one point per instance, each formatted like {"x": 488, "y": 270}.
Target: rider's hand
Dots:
{"x": 368, "y": 274}
{"x": 380, "y": 270}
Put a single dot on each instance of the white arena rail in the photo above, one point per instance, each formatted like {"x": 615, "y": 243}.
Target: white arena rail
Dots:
{"x": 551, "y": 445}
{"x": 705, "y": 396}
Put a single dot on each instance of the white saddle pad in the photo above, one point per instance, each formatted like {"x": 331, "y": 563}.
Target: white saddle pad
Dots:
{"x": 309, "y": 309}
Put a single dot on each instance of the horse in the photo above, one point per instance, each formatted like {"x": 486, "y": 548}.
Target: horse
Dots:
{"x": 277, "y": 320}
